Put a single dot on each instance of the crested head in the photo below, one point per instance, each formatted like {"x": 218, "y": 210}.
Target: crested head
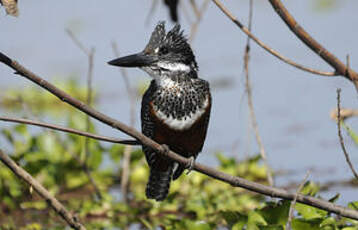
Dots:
{"x": 168, "y": 55}
{"x": 171, "y": 48}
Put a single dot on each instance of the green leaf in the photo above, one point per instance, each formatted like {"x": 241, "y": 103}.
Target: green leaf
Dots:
{"x": 353, "y": 205}
{"x": 255, "y": 220}
{"x": 74, "y": 180}
{"x": 335, "y": 198}
{"x": 276, "y": 213}
{"x": 8, "y": 135}
{"x": 146, "y": 223}
{"x": 272, "y": 227}
{"x": 21, "y": 129}
{"x": 309, "y": 212}
{"x": 39, "y": 205}
{"x": 329, "y": 224}
{"x": 233, "y": 217}
{"x": 302, "y": 224}
{"x": 197, "y": 225}
{"x": 225, "y": 161}
{"x": 310, "y": 188}
{"x": 95, "y": 154}
{"x": 351, "y": 133}
{"x": 116, "y": 152}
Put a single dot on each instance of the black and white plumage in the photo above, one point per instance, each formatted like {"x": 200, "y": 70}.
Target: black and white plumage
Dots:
{"x": 175, "y": 108}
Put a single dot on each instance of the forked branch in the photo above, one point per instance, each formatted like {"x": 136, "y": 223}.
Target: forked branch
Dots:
{"x": 211, "y": 172}
{"x": 330, "y": 58}
{"x": 266, "y": 47}
{"x": 52, "y": 201}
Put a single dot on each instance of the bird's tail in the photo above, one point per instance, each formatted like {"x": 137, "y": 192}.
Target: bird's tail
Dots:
{"x": 159, "y": 183}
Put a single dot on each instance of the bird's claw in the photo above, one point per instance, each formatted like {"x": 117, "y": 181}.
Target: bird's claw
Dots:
{"x": 190, "y": 164}
{"x": 165, "y": 149}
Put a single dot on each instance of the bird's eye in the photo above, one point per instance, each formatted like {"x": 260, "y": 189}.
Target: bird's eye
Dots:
{"x": 164, "y": 50}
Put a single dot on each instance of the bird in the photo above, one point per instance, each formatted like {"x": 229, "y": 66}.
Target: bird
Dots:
{"x": 175, "y": 109}
{"x": 173, "y": 9}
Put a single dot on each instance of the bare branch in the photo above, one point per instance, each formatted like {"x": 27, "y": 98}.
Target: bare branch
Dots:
{"x": 88, "y": 122}
{"x": 69, "y": 130}
{"x": 331, "y": 59}
{"x": 211, "y": 172}
{"x": 293, "y": 203}
{"x": 195, "y": 8}
{"x": 266, "y": 47}
{"x": 127, "y": 149}
{"x": 78, "y": 43}
{"x": 251, "y": 104}
{"x": 199, "y": 15}
{"x": 151, "y": 11}
{"x": 90, "y": 56}
{"x": 339, "y": 121}
{"x": 52, "y": 201}
{"x": 186, "y": 14}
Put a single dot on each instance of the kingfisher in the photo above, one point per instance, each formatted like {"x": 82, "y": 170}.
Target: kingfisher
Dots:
{"x": 173, "y": 9}
{"x": 175, "y": 108}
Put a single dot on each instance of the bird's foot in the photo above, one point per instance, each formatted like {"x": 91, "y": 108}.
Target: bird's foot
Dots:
{"x": 165, "y": 149}
{"x": 190, "y": 164}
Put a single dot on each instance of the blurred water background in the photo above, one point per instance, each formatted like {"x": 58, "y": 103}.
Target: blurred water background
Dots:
{"x": 292, "y": 106}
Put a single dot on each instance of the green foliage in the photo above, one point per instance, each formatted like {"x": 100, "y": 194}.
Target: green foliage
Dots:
{"x": 40, "y": 101}
{"x": 195, "y": 202}
{"x": 350, "y": 132}
{"x": 325, "y": 5}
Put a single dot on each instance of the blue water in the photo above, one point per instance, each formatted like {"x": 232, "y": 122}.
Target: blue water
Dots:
{"x": 292, "y": 106}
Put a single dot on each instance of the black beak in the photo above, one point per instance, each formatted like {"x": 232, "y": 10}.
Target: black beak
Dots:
{"x": 135, "y": 60}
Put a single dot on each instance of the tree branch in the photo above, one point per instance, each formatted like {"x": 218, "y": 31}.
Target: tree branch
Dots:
{"x": 69, "y": 130}
{"x": 251, "y": 104}
{"x": 340, "y": 135}
{"x": 293, "y": 203}
{"x": 211, "y": 172}
{"x": 90, "y": 56}
{"x": 128, "y": 149}
{"x": 52, "y": 201}
{"x": 340, "y": 67}
{"x": 199, "y": 16}
{"x": 266, "y": 47}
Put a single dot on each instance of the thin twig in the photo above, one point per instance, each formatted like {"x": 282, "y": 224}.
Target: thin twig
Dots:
{"x": 293, "y": 203}
{"x": 185, "y": 11}
{"x": 330, "y": 58}
{"x": 199, "y": 16}
{"x": 251, "y": 104}
{"x": 90, "y": 55}
{"x": 341, "y": 137}
{"x": 195, "y": 8}
{"x": 52, "y": 201}
{"x": 77, "y": 42}
{"x": 69, "y": 130}
{"x": 151, "y": 11}
{"x": 88, "y": 122}
{"x": 128, "y": 149}
{"x": 211, "y": 172}
{"x": 266, "y": 47}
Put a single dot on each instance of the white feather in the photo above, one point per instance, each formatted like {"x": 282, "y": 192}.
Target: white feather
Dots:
{"x": 187, "y": 121}
{"x": 174, "y": 67}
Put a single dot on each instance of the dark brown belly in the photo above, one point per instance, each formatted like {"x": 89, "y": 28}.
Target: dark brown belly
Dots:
{"x": 188, "y": 142}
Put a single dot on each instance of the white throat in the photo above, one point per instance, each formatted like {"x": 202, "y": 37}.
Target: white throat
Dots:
{"x": 174, "y": 67}
{"x": 163, "y": 69}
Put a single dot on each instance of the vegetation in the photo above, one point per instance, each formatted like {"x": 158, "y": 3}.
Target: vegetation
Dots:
{"x": 195, "y": 201}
